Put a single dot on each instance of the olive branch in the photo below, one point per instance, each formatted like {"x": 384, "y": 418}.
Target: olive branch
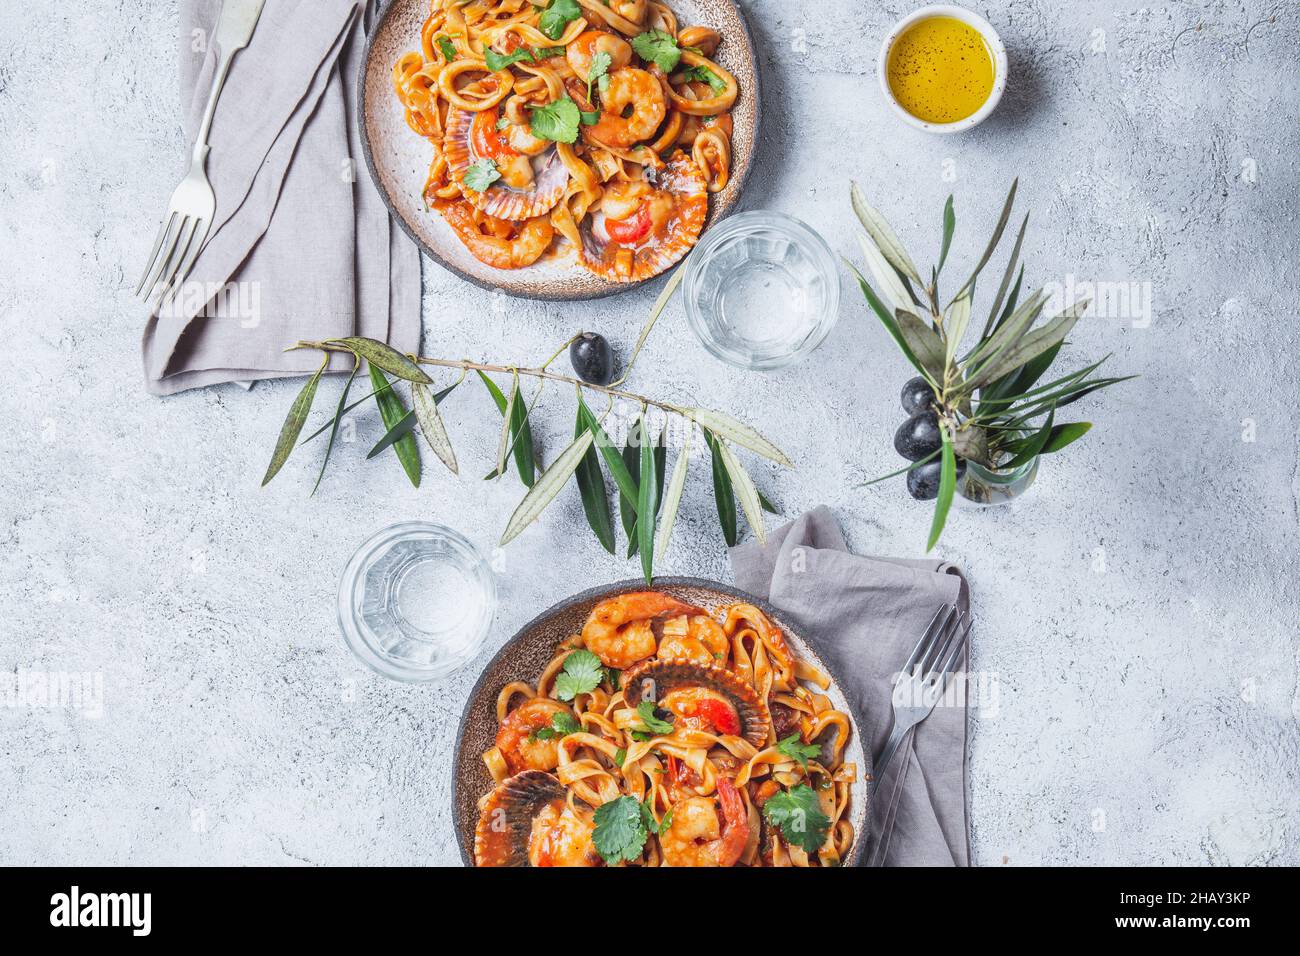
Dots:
{"x": 984, "y": 402}
{"x": 648, "y": 507}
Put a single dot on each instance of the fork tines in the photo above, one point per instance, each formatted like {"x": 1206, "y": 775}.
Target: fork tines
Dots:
{"x": 940, "y": 647}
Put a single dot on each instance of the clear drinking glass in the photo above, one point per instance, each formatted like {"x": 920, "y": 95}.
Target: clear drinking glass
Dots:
{"x": 762, "y": 290}
{"x": 416, "y": 601}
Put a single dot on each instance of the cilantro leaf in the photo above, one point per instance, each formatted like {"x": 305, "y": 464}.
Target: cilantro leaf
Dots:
{"x": 481, "y": 175}
{"x": 620, "y": 755}
{"x": 500, "y": 61}
{"x": 582, "y": 674}
{"x": 590, "y": 119}
{"x": 546, "y": 52}
{"x": 620, "y": 831}
{"x": 556, "y": 121}
{"x": 655, "y": 827}
{"x": 448, "y": 49}
{"x": 794, "y": 748}
{"x": 558, "y": 15}
{"x": 563, "y": 723}
{"x": 658, "y": 47}
{"x": 703, "y": 74}
{"x": 599, "y": 69}
{"x": 646, "y": 711}
{"x": 798, "y": 814}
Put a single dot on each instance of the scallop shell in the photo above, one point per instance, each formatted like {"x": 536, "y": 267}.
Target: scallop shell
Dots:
{"x": 499, "y": 200}
{"x": 682, "y": 177}
{"x": 755, "y": 720}
{"x": 505, "y": 823}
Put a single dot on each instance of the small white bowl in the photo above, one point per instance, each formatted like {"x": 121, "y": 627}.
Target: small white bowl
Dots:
{"x": 995, "y": 46}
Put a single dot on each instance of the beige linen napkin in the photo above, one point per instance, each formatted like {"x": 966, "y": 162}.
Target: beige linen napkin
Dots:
{"x": 864, "y": 616}
{"x": 302, "y": 245}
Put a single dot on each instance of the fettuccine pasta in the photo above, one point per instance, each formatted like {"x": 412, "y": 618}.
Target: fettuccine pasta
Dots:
{"x": 662, "y": 735}
{"x": 599, "y": 126}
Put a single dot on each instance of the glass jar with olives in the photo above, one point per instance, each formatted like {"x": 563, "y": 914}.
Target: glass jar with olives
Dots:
{"x": 918, "y": 440}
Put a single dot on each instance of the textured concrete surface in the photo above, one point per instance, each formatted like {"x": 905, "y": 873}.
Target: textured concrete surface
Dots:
{"x": 1137, "y": 611}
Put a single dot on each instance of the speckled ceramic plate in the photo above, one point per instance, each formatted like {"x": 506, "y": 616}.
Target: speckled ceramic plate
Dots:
{"x": 526, "y": 654}
{"x": 398, "y": 159}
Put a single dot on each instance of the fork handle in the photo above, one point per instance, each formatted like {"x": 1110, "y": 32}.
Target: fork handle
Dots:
{"x": 218, "y": 81}
{"x": 891, "y": 745}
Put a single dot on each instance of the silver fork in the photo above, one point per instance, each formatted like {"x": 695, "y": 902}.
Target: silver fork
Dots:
{"x": 189, "y": 215}
{"x": 924, "y": 678}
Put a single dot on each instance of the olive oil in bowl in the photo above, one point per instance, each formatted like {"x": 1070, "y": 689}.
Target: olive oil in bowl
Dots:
{"x": 941, "y": 70}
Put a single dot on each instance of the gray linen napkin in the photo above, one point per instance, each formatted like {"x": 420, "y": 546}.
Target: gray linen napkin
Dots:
{"x": 864, "y": 616}
{"x": 302, "y": 245}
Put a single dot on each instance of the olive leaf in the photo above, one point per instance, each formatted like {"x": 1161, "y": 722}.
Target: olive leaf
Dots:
{"x": 507, "y": 425}
{"x": 993, "y": 242}
{"x": 627, "y": 508}
{"x": 1008, "y": 332}
{"x": 1029, "y": 346}
{"x": 613, "y": 460}
{"x": 924, "y": 343}
{"x": 672, "y": 498}
{"x": 544, "y": 490}
{"x": 432, "y": 426}
{"x": 883, "y": 235}
{"x": 746, "y": 493}
{"x": 334, "y": 429}
{"x": 887, "y": 280}
{"x": 1035, "y": 444}
{"x": 955, "y": 325}
{"x": 723, "y": 495}
{"x": 1006, "y": 278}
{"x": 743, "y": 435}
{"x": 405, "y": 426}
{"x": 521, "y": 434}
{"x": 1063, "y": 435}
{"x": 293, "y": 423}
{"x": 947, "y": 485}
{"x": 385, "y": 357}
{"x": 392, "y": 411}
{"x": 911, "y": 466}
{"x": 972, "y": 443}
{"x": 949, "y": 227}
{"x": 656, "y": 310}
{"x": 591, "y": 487}
{"x": 647, "y": 504}
{"x": 889, "y": 322}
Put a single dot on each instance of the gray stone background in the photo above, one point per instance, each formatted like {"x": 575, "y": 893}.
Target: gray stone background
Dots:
{"x": 1138, "y": 609}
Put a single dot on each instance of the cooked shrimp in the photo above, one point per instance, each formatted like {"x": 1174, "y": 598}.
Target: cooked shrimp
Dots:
{"x": 562, "y": 837}
{"x": 639, "y": 95}
{"x": 579, "y": 53}
{"x": 696, "y": 838}
{"x": 618, "y": 632}
{"x": 506, "y": 245}
{"x": 515, "y": 740}
{"x": 698, "y": 638}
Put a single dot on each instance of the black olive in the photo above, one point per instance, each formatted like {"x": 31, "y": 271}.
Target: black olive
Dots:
{"x": 923, "y": 481}
{"x": 592, "y": 358}
{"x": 664, "y": 715}
{"x": 918, "y": 396}
{"x": 918, "y": 436}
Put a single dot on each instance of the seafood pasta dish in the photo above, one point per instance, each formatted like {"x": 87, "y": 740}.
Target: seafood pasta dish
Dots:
{"x": 662, "y": 735}
{"x": 596, "y": 126}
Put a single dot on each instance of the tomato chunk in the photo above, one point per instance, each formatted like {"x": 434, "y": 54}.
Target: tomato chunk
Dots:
{"x": 720, "y": 715}
{"x": 632, "y": 229}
